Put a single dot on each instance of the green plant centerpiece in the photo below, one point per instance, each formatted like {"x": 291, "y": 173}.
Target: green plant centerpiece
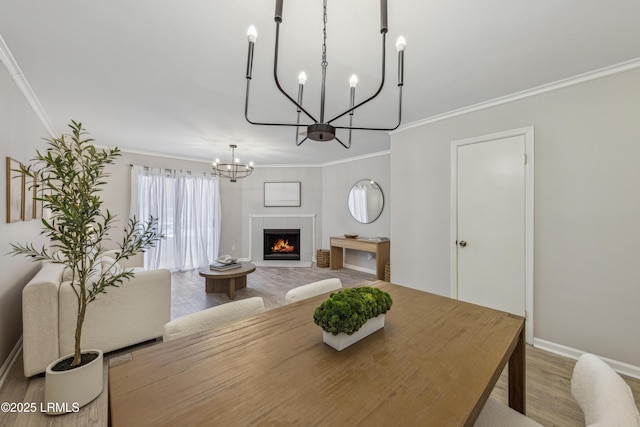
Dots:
{"x": 346, "y": 311}
{"x": 72, "y": 173}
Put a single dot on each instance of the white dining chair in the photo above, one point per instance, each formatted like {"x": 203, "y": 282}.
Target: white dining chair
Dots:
{"x": 603, "y": 396}
{"x": 497, "y": 414}
{"x": 312, "y": 289}
{"x": 212, "y": 317}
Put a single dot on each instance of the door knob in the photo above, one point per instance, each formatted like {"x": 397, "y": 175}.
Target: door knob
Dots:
{"x": 462, "y": 243}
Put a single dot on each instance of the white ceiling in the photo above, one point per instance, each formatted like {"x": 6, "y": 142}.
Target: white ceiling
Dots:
{"x": 168, "y": 77}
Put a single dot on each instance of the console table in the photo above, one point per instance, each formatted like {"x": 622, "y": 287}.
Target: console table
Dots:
{"x": 381, "y": 249}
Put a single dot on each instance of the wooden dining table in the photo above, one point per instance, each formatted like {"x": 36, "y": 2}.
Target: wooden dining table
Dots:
{"x": 434, "y": 363}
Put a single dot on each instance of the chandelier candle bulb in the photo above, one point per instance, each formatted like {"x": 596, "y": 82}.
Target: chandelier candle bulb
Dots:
{"x": 252, "y": 35}
{"x": 400, "y": 45}
{"x": 300, "y": 91}
{"x": 353, "y": 82}
{"x": 278, "y": 16}
{"x": 383, "y": 16}
{"x": 401, "y": 68}
{"x": 352, "y": 99}
{"x": 302, "y": 79}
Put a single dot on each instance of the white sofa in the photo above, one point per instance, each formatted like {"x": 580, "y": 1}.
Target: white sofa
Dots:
{"x": 134, "y": 312}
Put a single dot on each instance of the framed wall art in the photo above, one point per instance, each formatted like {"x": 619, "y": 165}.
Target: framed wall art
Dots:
{"x": 282, "y": 194}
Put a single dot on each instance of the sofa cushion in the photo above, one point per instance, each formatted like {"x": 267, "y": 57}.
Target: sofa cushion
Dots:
{"x": 110, "y": 264}
{"x": 67, "y": 273}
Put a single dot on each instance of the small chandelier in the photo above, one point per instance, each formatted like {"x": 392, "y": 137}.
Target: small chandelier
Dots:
{"x": 321, "y": 129}
{"x": 233, "y": 170}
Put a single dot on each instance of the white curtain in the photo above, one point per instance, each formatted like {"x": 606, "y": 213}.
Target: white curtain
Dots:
{"x": 358, "y": 203}
{"x": 188, "y": 211}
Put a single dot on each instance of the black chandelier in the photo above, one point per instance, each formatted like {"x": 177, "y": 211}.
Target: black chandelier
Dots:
{"x": 323, "y": 130}
{"x": 234, "y": 169}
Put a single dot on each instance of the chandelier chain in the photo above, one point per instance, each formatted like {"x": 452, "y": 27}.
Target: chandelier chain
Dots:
{"x": 324, "y": 30}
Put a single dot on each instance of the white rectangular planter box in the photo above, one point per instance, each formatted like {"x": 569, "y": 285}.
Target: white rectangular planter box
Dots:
{"x": 342, "y": 340}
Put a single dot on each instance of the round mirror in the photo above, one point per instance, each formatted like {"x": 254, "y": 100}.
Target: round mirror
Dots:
{"x": 366, "y": 201}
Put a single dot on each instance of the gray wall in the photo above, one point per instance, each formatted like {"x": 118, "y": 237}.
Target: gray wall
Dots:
{"x": 587, "y": 284}
{"x": 21, "y": 133}
{"x": 337, "y": 182}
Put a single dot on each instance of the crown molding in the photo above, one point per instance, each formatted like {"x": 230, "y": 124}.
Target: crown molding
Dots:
{"x": 336, "y": 162}
{"x": 570, "y": 81}
{"x": 193, "y": 159}
{"x": 16, "y": 73}
{"x": 353, "y": 159}
{"x": 155, "y": 154}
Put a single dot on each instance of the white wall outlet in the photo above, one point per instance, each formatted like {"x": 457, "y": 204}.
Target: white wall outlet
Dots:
{"x": 233, "y": 247}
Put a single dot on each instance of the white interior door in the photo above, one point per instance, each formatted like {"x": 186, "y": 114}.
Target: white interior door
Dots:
{"x": 491, "y": 218}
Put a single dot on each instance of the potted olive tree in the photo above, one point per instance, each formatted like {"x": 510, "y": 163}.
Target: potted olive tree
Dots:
{"x": 351, "y": 314}
{"x": 71, "y": 172}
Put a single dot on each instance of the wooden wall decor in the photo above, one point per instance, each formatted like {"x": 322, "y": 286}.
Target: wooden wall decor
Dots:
{"x": 15, "y": 193}
{"x": 38, "y": 192}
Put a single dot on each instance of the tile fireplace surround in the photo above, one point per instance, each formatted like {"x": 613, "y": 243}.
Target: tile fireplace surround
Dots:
{"x": 305, "y": 222}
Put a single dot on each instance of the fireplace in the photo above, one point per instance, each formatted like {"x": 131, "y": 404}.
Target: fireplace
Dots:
{"x": 281, "y": 244}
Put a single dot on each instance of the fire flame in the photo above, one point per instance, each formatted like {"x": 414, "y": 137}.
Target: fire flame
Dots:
{"x": 283, "y": 246}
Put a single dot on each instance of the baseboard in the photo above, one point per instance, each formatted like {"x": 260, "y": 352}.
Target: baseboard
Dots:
{"x": 358, "y": 268}
{"x": 282, "y": 263}
{"x": 11, "y": 360}
{"x": 573, "y": 353}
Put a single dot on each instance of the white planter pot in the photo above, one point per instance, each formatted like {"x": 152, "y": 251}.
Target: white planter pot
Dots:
{"x": 68, "y": 391}
{"x": 342, "y": 340}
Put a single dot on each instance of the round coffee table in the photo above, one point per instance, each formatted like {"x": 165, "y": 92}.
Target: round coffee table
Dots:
{"x": 227, "y": 281}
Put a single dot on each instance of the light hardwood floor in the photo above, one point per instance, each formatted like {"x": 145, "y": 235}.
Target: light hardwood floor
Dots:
{"x": 549, "y": 399}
